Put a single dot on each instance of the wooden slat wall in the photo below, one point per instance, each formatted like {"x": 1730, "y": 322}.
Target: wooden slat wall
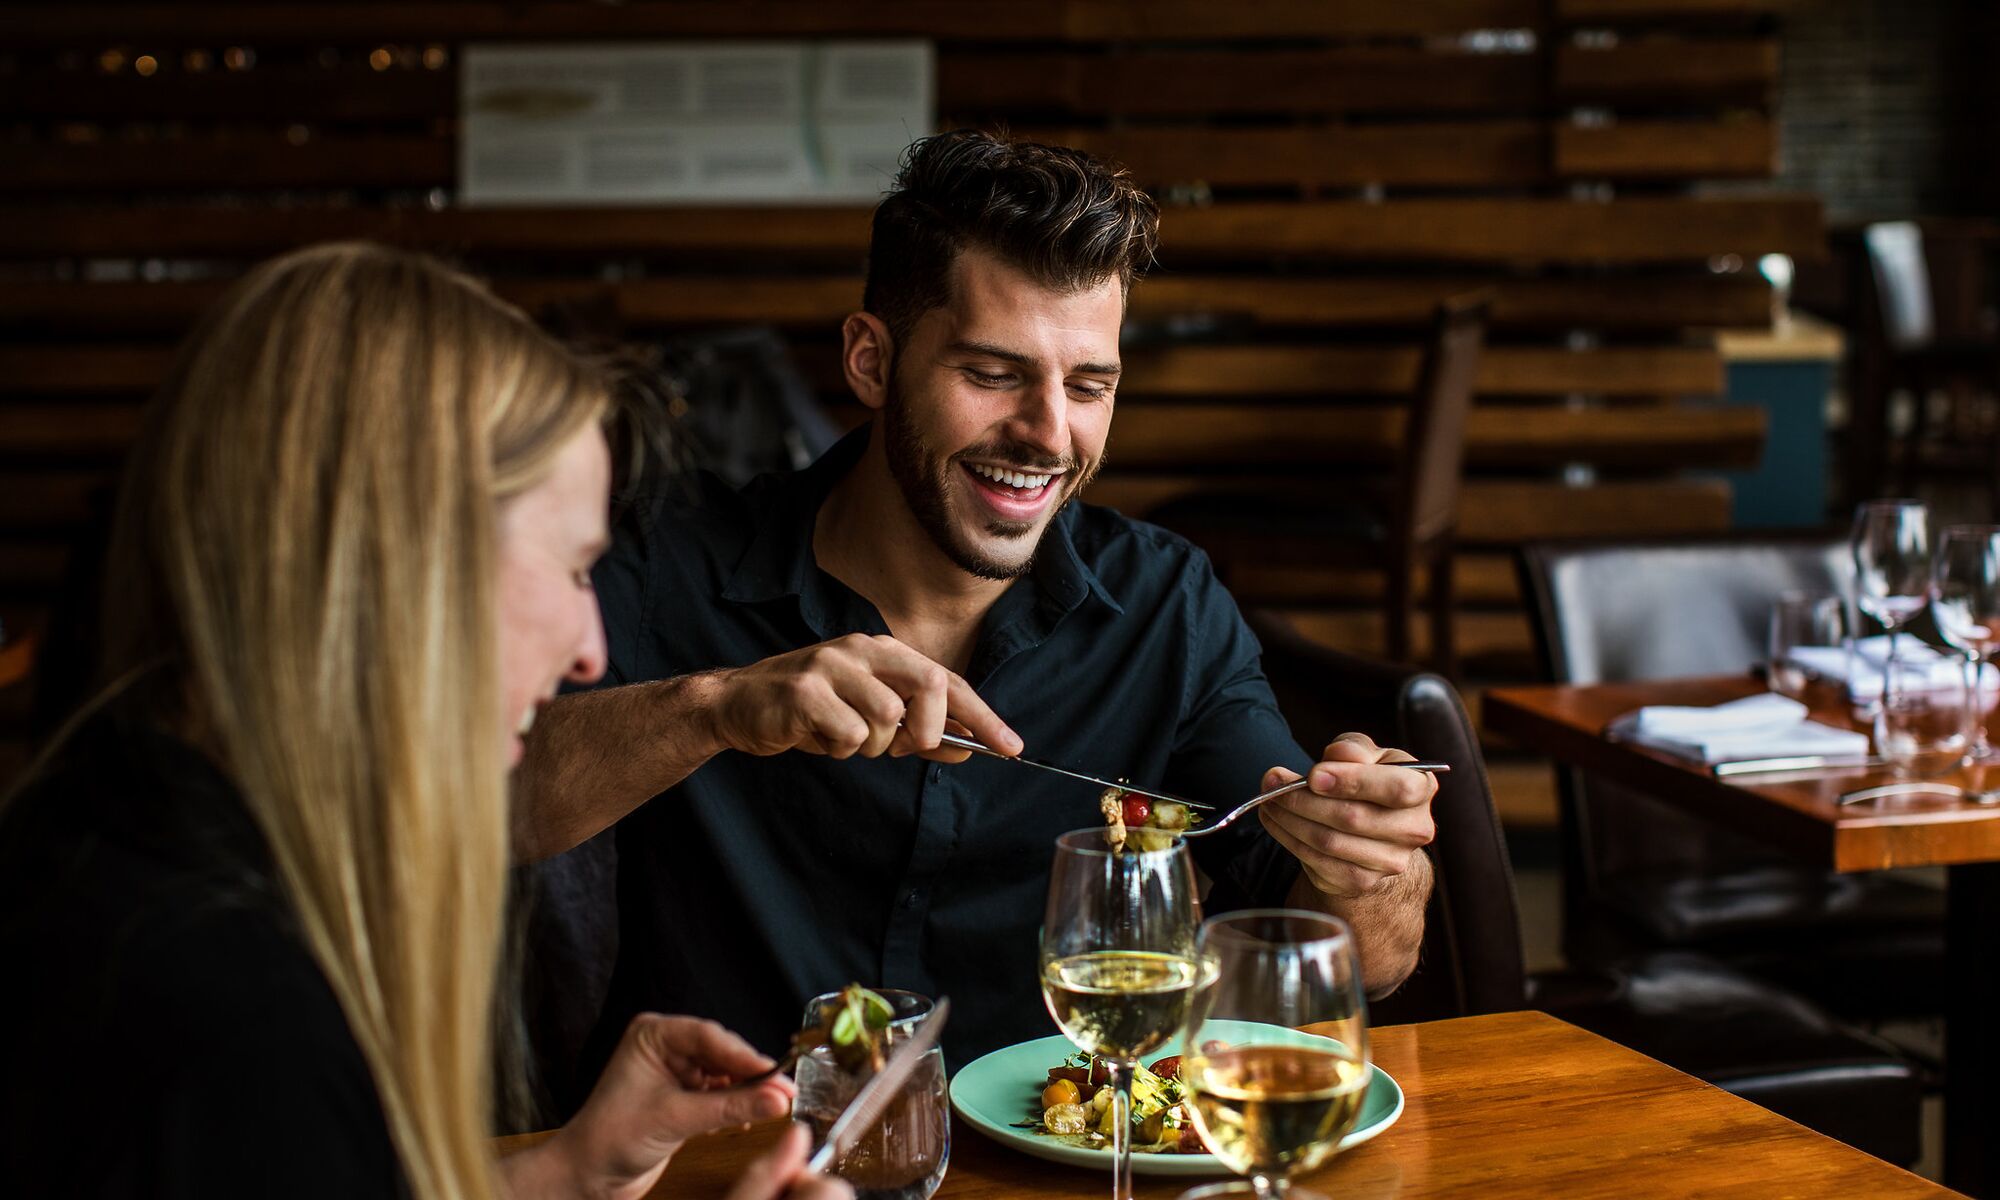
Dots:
{"x": 1330, "y": 170}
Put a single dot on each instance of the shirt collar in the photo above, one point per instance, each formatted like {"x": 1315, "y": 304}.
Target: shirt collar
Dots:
{"x": 779, "y": 560}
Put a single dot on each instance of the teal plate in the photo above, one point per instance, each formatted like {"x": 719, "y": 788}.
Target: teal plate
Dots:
{"x": 994, "y": 1092}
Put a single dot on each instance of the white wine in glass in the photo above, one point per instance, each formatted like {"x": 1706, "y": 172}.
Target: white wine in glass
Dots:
{"x": 1119, "y": 967}
{"x": 1275, "y": 1055}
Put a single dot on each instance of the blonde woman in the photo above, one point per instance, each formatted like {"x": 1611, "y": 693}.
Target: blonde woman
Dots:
{"x": 251, "y": 903}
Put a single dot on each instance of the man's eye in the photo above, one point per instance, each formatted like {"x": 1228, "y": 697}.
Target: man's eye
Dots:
{"x": 1091, "y": 391}
{"x": 985, "y": 379}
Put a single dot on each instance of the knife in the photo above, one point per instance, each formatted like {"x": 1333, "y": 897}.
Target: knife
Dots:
{"x": 878, "y": 1093}
{"x": 979, "y": 747}
{"x": 1796, "y": 765}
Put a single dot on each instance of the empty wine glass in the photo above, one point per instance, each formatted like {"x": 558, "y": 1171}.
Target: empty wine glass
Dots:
{"x": 1920, "y": 728}
{"x": 1275, "y": 1058}
{"x": 1892, "y": 565}
{"x": 1965, "y": 602}
{"x": 1118, "y": 961}
{"x": 1808, "y": 630}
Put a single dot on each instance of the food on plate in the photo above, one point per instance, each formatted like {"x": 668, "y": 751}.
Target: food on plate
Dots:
{"x": 1160, "y": 1120}
{"x": 1133, "y": 820}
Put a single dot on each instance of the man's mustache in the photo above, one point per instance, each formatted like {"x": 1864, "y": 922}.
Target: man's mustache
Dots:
{"x": 1017, "y": 456}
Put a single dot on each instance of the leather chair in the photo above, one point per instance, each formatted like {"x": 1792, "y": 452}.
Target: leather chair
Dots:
{"x": 1752, "y": 1039}
{"x": 1410, "y": 527}
{"x": 1639, "y": 875}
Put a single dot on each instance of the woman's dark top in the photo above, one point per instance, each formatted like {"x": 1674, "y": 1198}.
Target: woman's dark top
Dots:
{"x": 163, "y": 1029}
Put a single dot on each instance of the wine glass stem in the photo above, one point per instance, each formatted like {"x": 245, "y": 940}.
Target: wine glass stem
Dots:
{"x": 1976, "y": 745}
{"x": 1121, "y": 1128}
{"x": 1266, "y": 1187}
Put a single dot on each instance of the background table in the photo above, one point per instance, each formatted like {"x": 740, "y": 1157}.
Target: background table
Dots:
{"x": 1514, "y": 1105}
{"x": 1800, "y": 815}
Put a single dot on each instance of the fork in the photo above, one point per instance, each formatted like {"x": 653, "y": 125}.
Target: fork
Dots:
{"x": 1429, "y": 768}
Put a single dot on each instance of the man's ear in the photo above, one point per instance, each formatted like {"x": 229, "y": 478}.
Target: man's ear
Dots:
{"x": 867, "y": 357}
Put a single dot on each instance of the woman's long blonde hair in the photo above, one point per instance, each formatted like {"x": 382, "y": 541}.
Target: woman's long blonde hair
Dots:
{"x": 305, "y": 541}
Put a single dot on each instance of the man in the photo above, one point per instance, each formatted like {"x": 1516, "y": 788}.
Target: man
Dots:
{"x": 788, "y": 656}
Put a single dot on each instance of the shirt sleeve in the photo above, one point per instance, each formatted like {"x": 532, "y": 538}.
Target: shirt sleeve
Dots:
{"x": 1230, "y": 732}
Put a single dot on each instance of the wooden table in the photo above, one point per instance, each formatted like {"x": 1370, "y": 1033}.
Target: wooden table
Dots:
{"x": 1515, "y": 1105}
{"x": 1799, "y": 814}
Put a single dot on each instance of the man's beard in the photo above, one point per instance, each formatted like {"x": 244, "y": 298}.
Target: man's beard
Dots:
{"x": 923, "y": 474}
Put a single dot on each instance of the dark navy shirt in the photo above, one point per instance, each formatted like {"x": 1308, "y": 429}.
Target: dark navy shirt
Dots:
{"x": 760, "y": 882}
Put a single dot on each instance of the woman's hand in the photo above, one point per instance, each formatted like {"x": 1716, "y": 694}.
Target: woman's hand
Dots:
{"x": 654, "y": 1095}
{"x": 782, "y": 1173}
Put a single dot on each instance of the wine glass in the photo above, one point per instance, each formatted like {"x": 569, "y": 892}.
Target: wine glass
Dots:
{"x": 1965, "y": 602}
{"x": 1268, "y": 1097}
{"x": 1892, "y": 570}
{"x": 1118, "y": 961}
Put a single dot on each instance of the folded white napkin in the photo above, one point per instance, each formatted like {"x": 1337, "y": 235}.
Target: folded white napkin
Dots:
{"x": 1765, "y": 725}
{"x": 1862, "y": 670}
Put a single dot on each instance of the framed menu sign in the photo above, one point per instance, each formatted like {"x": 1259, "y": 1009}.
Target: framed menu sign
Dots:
{"x": 689, "y": 122}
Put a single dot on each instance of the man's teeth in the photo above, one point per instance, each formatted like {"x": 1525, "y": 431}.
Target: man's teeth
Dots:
{"x": 527, "y": 721}
{"x": 1017, "y": 479}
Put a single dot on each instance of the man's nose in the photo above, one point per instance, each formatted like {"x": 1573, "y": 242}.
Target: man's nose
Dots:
{"x": 1042, "y": 419}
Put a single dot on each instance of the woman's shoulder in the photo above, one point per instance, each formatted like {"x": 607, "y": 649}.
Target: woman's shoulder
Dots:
{"x": 164, "y": 987}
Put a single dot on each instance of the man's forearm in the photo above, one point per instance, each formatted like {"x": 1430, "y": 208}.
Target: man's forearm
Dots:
{"x": 595, "y": 756}
{"x": 1388, "y": 923}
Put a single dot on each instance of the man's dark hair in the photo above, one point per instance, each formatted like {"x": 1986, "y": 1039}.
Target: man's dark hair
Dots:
{"x": 1066, "y": 220}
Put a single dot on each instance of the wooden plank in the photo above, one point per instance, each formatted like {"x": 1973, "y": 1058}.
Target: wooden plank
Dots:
{"x": 1487, "y": 154}
{"x": 1498, "y": 512}
{"x": 214, "y": 164}
{"x": 1035, "y": 20}
{"x": 1674, "y": 70}
{"x": 1491, "y": 153}
{"x": 1647, "y": 230}
{"x": 31, "y": 566}
{"x": 1621, "y": 302}
{"x": 1200, "y": 370}
{"x": 81, "y": 370}
{"x": 38, "y": 232}
{"x": 1664, "y": 11}
{"x": 48, "y": 500}
{"x": 1283, "y": 82}
{"x": 68, "y": 429}
{"x": 1727, "y": 149}
{"x": 1491, "y": 230}
{"x": 1215, "y": 437}
{"x": 270, "y": 94}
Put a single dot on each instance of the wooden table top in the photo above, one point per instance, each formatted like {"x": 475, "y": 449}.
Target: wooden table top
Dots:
{"x": 1797, "y": 813}
{"x": 1513, "y": 1105}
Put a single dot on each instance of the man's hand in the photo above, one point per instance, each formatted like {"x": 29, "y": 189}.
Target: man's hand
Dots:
{"x": 1360, "y": 824}
{"x": 853, "y": 695}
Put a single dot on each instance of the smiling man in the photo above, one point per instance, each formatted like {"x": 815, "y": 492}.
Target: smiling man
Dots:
{"x": 783, "y": 659}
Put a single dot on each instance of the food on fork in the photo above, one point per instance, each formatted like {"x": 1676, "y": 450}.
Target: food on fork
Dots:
{"x": 855, "y": 1027}
{"x": 1143, "y": 824}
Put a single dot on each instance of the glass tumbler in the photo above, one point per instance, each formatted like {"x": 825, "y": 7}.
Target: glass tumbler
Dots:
{"x": 905, "y": 1155}
{"x": 1920, "y": 729}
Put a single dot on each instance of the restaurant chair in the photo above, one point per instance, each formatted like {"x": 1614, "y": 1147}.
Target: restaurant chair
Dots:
{"x": 1408, "y": 527}
{"x": 1750, "y": 1038}
{"x": 1639, "y": 875}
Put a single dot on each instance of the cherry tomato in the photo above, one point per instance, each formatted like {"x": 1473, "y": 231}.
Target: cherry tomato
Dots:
{"x": 1167, "y": 1068}
{"x": 1137, "y": 810}
{"x": 1062, "y": 1091}
{"x": 1100, "y": 1074}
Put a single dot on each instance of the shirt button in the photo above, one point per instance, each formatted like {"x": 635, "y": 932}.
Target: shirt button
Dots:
{"x": 937, "y": 774}
{"x": 911, "y": 897}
